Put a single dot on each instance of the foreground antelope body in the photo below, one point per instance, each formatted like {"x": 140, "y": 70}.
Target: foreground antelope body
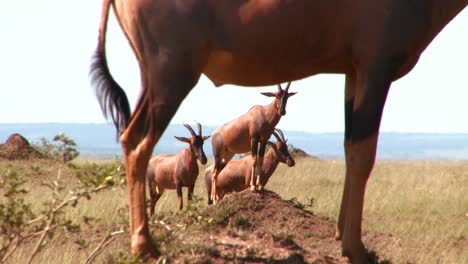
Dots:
{"x": 248, "y": 132}
{"x": 174, "y": 171}
{"x": 236, "y": 175}
{"x": 264, "y": 42}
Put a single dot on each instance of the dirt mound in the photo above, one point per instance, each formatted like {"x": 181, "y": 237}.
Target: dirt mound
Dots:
{"x": 299, "y": 153}
{"x": 248, "y": 227}
{"x": 17, "y": 147}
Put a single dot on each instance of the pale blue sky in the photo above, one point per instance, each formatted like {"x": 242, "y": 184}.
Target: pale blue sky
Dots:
{"x": 45, "y": 50}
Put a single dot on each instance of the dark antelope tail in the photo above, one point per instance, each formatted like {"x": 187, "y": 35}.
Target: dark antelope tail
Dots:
{"x": 111, "y": 97}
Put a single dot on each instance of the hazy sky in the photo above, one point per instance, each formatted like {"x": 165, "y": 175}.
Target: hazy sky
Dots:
{"x": 45, "y": 50}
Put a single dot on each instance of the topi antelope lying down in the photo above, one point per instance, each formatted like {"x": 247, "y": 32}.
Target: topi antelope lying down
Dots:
{"x": 248, "y": 132}
{"x": 236, "y": 175}
{"x": 174, "y": 171}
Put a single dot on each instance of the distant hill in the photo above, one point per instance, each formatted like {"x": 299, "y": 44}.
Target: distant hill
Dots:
{"x": 99, "y": 140}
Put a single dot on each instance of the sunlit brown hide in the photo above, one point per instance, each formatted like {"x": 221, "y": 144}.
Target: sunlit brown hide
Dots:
{"x": 236, "y": 175}
{"x": 264, "y": 42}
{"x": 248, "y": 132}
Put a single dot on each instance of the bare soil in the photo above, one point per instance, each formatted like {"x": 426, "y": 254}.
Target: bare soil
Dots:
{"x": 249, "y": 227}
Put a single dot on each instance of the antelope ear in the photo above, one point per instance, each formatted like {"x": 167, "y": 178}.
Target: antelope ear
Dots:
{"x": 269, "y": 94}
{"x": 291, "y": 94}
{"x": 206, "y": 137}
{"x": 183, "y": 139}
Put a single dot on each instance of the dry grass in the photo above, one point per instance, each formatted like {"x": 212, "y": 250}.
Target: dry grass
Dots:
{"x": 421, "y": 205}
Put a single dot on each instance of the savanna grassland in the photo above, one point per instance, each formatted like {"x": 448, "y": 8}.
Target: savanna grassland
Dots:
{"x": 415, "y": 212}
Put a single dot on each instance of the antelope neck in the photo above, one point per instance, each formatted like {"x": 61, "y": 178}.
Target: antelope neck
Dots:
{"x": 270, "y": 162}
{"x": 190, "y": 155}
{"x": 272, "y": 114}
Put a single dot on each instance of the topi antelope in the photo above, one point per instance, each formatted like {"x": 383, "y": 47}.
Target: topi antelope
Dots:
{"x": 236, "y": 175}
{"x": 174, "y": 171}
{"x": 257, "y": 43}
{"x": 248, "y": 132}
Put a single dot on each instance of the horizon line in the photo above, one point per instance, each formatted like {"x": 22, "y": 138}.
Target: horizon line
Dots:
{"x": 211, "y": 125}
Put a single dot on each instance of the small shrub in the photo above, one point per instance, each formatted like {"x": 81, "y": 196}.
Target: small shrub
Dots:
{"x": 285, "y": 240}
{"x": 221, "y": 217}
{"x": 296, "y": 204}
{"x": 240, "y": 221}
{"x": 46, "y": 148}
{"x": 64, "y": 148}
{"x": 15, "y": 213}
{"x": 92, "y": 174}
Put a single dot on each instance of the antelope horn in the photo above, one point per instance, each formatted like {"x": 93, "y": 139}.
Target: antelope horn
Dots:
{"x": 279, "y": 87}
{"x": 276, "y": 136}
{"x": 190, "y": 129}
{"x": 287, "y": 87}
{"x": 199, "y": 128}
{"x": 281, "y": 134}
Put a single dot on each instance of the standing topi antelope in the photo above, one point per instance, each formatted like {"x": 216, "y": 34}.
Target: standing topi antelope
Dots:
{"x": 236, "y": 175}
{"x": 248, "y": 132}
{"x": 257, "y": 43}
{"x": 174, "y": 171}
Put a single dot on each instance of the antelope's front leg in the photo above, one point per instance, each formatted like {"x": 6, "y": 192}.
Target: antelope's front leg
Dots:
{"x": 363, "y": 115}
{"x": 190, "y": 192}
{"x": 259, "y": 171}
{"x": 214, "y": 196}
{"x": 254, "y": 151}
{"x": 179, "y": 195}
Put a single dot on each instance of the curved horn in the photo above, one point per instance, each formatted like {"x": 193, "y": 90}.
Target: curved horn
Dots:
{"x": 279, "y": 87}
{"x": 287, "y": 87}
{"x": 190, "y": 129}
{"x": 199, "y": 128}
{"x": 276, "y": 136}
{"x": 281, "y": 134}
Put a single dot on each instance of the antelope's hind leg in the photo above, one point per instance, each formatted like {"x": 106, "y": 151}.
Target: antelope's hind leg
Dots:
{"x": 220, "y": 160}
{"x": 168, "y": 77}
{"x": 154, "y": 199}
{"x": 216, "y": 170}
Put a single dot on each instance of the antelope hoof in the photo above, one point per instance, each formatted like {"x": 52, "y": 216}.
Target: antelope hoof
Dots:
{"x": 260, "y": 187}
{"x": 214, "y": 199}
{"x": 338, "y": 233}
{"x": 356, "y": 252}
{"x": 253, "y": 188}
{"x": 143, "y": 245}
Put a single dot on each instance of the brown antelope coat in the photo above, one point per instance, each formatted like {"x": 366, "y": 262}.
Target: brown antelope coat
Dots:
{"x": 236, "y": 175}
{"x": 264, "y": 42}
{"x": 174, "y": 171}
{"x": 248, "y": 132}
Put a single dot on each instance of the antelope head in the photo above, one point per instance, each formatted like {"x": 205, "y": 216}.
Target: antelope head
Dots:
{"x": 281, "y": 148}
{"x": 195, "y": 142}
{"x": 282, "y": 97}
